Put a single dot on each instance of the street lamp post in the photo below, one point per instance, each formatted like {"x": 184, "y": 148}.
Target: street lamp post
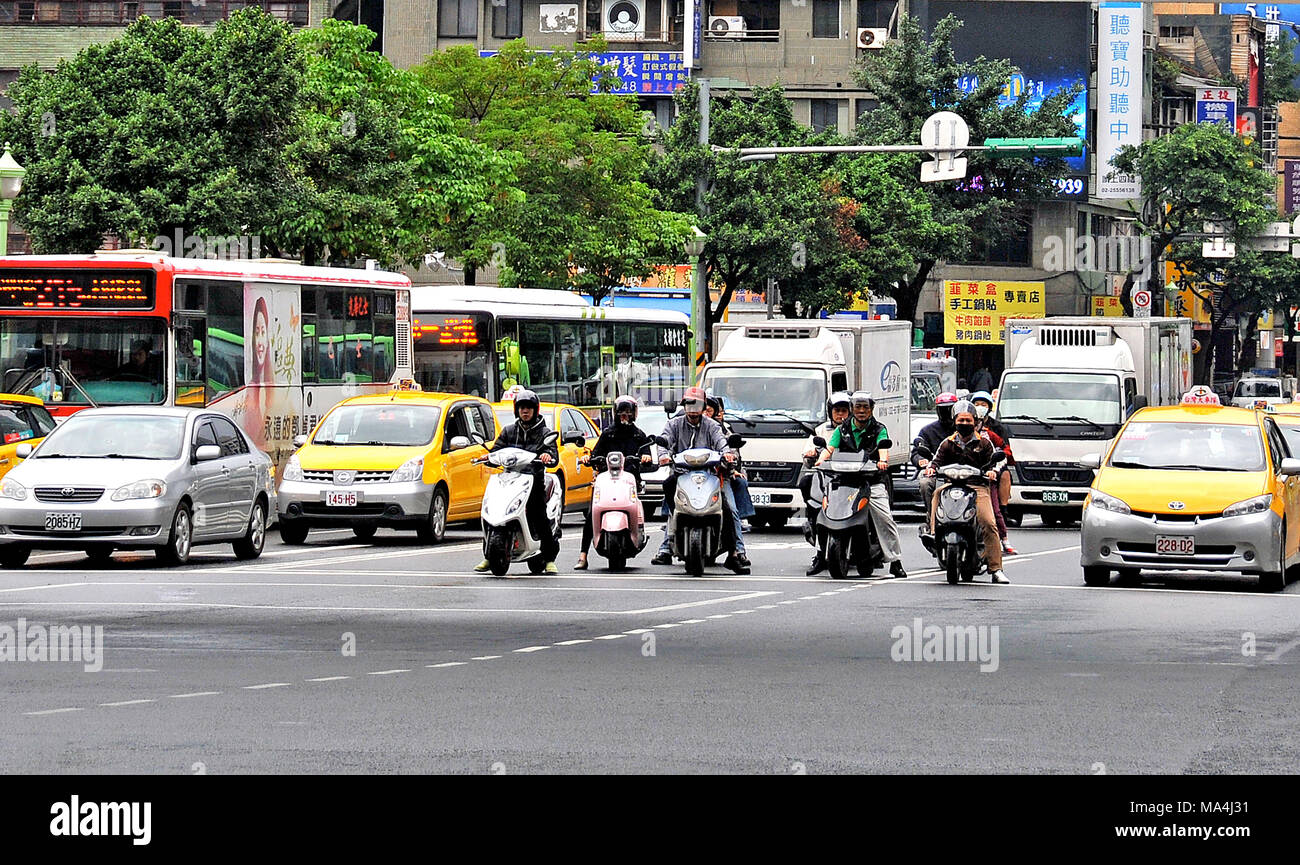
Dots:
{"x": 699, "y": 297}
{"x": 11, "y": 182}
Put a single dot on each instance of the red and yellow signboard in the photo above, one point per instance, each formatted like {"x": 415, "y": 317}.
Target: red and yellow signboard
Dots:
{"x": 1104, "y": 304}
{"x": 976, "y": 312}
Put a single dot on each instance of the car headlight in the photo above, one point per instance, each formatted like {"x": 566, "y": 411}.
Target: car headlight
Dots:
{"x": 1257, "y": 505}
{"x": 150, "y": 489}
{"x": 293, "y": 469}
{"x": 411, "y": 470}
{"x": 1103, "y": 502}
{"x": 11, "y": 489}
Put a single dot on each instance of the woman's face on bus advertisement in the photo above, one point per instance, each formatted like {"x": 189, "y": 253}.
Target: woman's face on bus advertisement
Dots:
{"x": 261, "y": 345}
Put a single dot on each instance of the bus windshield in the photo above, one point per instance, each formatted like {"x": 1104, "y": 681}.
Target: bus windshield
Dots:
{"x": 110, "y": 361}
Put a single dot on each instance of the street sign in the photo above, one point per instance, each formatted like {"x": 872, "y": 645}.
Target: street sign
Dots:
{"x": 1217, "y": 105}
{"x": 1141, "y": 303}
{"x": 948, "y": 133}
{"x": 1274, "y": 237}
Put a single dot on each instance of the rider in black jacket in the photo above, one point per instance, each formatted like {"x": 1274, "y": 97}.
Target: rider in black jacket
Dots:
{"x": 926, "y": 444}
{"x": 528, "y": 432}
{"x": 626, "y": 438}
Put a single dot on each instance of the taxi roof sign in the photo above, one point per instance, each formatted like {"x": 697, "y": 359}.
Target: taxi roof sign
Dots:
{"x": 407, "y": 384}
{"x": 1201, "y": 395}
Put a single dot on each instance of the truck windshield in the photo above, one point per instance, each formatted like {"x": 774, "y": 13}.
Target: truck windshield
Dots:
{"x": 1059, "y": 395}
{"x": 797, "y": 392}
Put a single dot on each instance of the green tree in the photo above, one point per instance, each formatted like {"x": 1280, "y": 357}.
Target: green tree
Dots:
{"x": 1280, "y": 72}
{"x": 165, "y": 128}
{"x": 914, "y": 78}
{"x": 578, "y": 214}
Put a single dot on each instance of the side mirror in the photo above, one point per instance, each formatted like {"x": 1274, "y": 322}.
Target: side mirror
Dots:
{"x": 576, "y": 440}
{"x": 662, "y": 441}
{"x": 818, "y": 441}
{"x": 1287, "y": 396}
{"x": 1139, "y": 401}
{"x": 203, "y": 453}
{"x": 1093, "y": 461}
{"x": 551, "y": 438}
{"x": 23, "y": 451}
{"x": 735, "y": 441}
{"x": 1290, "y": 466}
{"x": 474, "y": 437}
{"x": 670, "y": 406}
{"x": 299, "y": 441}
{"x": 459, "y": 443}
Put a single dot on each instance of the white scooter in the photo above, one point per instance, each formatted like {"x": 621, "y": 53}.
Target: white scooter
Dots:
{"x": 507, "y": 537}
{"x": 698, "y": 522}
{"x": 617, "y": 518}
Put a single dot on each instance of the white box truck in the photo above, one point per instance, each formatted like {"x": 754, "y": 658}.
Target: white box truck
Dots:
{"x": 775, "y": 378}
{"x": 1069, "y": 383}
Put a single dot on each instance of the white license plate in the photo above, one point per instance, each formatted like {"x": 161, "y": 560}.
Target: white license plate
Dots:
{"x": 62, "y": 522}
{"x": 1056, "y": 497}
{"x": 341, "y": 499}
{"x": 761, "y": 499}
{"x": 1175, "y": 545}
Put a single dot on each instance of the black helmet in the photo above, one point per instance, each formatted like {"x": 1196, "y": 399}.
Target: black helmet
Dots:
{"x": 841, "y": 398}
{"x": 714, "y": 403}
{"x": 527, "y": 397}
{"x": 626, "y": 401}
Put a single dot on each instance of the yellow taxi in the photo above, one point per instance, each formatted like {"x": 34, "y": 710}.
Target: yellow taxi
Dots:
{"x": 577, "y": 436}
{"x": 402, "y": 460}
{"x": 23, "y": 420}
{"x": 1193, "y": 487}
{"x": 1287, "y": 417}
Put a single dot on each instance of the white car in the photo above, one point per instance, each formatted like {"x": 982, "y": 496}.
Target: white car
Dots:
{"x": 1259, "y": 393}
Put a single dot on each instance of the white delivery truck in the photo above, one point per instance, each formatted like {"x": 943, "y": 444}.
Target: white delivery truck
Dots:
{"x": 1069, "y": 383}
{"x": 775, "y": 378}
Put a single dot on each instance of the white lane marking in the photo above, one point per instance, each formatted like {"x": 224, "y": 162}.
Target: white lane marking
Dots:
{"x": 128, "y": 702}
{"x": 329, "y": 679}
{"x": 194, "y": 694}
{"x": 387, "y": 672}
{"x": 809, "y": 597}
{"x": 612, "y": 637}
{"x": 58, "y": 586}
{"x": 282, "y": 585}
{"x": 1176, "y": 590}
{"x": 55, "y": 711}
{"x": 423, "y": 552}
{"x": 686, "y": 622}
{"x": 742, "y": 612}
{"x": 768, "y": 607}
{"x": 526, "y": 649}
{"x": 283, "y": 607}
{"x": 726, "y": 600}
{"x": 1281, "y": 650}
{"x": 639, "y": 631}
{"x": 494, "y": 657}
{"x": 571, "y": 642}
{"x": 721, "y": 616}
{"x": 445, "y": 664}
{"x": 828, "y": 594}
{"x": 783, "y": 603}
{"x": 267, "y": 685}
{"x": 666, "y": 625}
{"x": 523, "y": 578}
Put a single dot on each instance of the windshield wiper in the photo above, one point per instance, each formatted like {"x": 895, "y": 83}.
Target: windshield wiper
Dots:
{"x": 740, "y": 416}
{"x": 1028, "y": 417}
{"x": 1130, "y": 464}
{"x": 1192, "y": 468}
{"x": 1076, "y": 417}
{"x": 777, "y": 413}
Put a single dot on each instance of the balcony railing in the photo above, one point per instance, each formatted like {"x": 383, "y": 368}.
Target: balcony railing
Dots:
{"x": 653, "y": 34}
{"x": 111, "y": 13}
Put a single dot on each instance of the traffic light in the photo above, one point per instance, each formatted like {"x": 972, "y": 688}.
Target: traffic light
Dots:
{"x": 1007, "y": 148}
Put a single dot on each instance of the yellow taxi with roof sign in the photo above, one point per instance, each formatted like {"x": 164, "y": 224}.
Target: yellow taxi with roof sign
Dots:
{"x": 1197, "y": 486}
{"x": 402, "y": 460}
{"x": 23, "y": 420}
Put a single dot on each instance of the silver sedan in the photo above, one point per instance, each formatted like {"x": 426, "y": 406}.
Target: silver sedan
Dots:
{"x": 156, "y": 478}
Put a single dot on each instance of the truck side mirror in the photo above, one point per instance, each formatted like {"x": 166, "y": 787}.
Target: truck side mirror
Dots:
{"x": 1139, "y": 401}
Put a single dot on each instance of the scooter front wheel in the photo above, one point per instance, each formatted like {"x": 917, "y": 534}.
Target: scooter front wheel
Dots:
{"x": 695, "y": 552}
{"x": 617, "y": 561}
{"x": 498, "y": 553}
{"x": 953, "y": 563}
{"x": 837, "y": 558}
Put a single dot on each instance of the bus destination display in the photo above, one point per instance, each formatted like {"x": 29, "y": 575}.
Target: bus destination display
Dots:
{"x": 452, "y": 331}
{"x": 76, "y": 289}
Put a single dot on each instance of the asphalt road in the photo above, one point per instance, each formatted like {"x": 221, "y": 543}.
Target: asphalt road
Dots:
{"x": 229, "y": 667}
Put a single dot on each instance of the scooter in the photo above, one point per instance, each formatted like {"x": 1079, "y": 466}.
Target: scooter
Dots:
{"x": 697, "y": 523}
{"x": 958, "y": 544}
{"x": 846, "y": 532}
{"x": 507, "y": 537}
{"x": 617, "y": 517}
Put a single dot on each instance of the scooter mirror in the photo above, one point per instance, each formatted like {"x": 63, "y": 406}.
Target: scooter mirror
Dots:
{"x": 735, "y": 441}
{"x": 551, "y": 438}
{"x": 818, "y": 441}
{"x": 661, "y": 441}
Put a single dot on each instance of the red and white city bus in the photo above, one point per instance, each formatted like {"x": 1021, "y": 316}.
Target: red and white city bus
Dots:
{"x": 274, "y": 345}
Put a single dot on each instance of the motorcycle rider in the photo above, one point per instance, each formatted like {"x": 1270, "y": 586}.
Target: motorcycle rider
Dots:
{"x": 837, "y": 410}
{"x": 862, "y": 432}
{"x": 967, "y": 447}
{"x": 528, "y": 432}
{"x": 690, "y": 430}
{"x": 716, "y": 409}
{"x": 626, "y": 438}
{"x": 983, "y": 402}
{"x": 928, "y": 441}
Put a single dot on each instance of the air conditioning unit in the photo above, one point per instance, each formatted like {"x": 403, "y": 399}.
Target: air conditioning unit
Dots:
{"x": 727, "y": 25}
{"x": 872, "y": 37}
{"x": 625, "y": 20}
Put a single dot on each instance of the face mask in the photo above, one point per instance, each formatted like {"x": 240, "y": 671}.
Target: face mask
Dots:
{"x": 981, "y": 411}
{"x": 965, "y": 428}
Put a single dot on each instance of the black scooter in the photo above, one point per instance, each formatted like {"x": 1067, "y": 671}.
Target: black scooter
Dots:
{"x": 846, "y": 534}
{"x": 958, "y": 543}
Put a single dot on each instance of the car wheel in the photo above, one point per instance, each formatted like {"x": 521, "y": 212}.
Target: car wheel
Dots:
{"x": 1275, "y": 581}
{"x": 14, "y": 555}
{"x": 1129, "y": 576}
{"x": 254, "y": 539}
{"x": 1095, "y": 575}
{"x": 364, "y": 533}
{"x": 434, "y": 527}
{"x": 181, "y": 539}
{"x": 99, "y": 555}
{"x": 292, "y": 532}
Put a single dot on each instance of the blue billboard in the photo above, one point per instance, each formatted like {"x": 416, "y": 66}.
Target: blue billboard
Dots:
{"x": 642, "y": 73}
{"x": 1278, "y": 14}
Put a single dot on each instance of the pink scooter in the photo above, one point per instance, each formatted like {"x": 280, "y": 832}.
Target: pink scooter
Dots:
{"x": 617, "y": 517}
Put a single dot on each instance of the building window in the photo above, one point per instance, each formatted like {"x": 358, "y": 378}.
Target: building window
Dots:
{"x": 762, "y": 18}
{"x": 1009, "y": 245}
{"x": 875, "y": 13}
{"x": 826, "y": 19}
{"x": 866, "y": 106}
{"x": 457, "y": 17}
{"x": 508, "y": 20}
{"x": 824, "y": 114}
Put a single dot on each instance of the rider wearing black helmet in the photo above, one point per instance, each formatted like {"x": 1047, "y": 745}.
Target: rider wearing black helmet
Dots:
{"x": 626, "y": 438}
{"x": 528, "y": 432}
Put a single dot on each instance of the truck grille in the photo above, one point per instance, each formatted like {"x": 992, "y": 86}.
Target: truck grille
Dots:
{"x": 773, "y": 474}
{"x": 1067, "y": 474}
{"x": 68, "y": 495}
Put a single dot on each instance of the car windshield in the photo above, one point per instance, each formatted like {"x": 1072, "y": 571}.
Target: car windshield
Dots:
{"x": 1258, "y": 388}
{"x": 925, "y": 390}
{"x": 797, "y": 392}
{"x": 652, "y": 421}
{"x": 77, "y": 360}
{"x": 142, "y": 437}
{"x": 1059, "y": 395}
{"x": 19, "y": 422}
{"x": 382, "y": 424}
{"x": 1189, "y": 446}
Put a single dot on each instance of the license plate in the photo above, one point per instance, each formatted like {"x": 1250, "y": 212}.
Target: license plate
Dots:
{"x": 1056, "y": 497}
{"x": 63, "y": 522}
{"x": 1175, "y": 545}
{"x": 761, "y": 499}
{"x": 341, "y": 499}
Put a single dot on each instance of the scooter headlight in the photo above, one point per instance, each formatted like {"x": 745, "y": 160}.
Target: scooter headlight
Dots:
{"x": 1103, "y": 502}
{"x": 595, "y": 495}
{"x": 516, "y": 506}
